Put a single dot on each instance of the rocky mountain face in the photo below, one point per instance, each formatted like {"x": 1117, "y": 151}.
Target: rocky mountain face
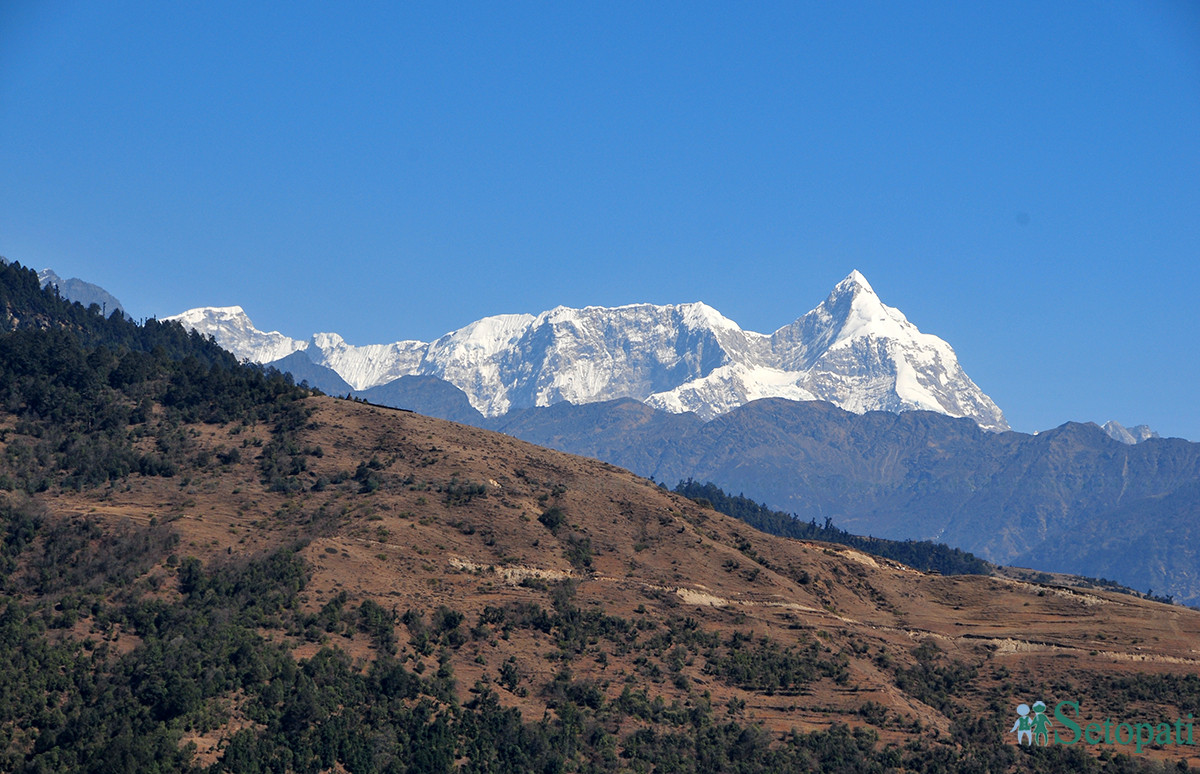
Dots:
{"x": 852, "y": 350}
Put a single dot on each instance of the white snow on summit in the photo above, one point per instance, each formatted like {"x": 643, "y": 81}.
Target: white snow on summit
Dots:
{"x": 232, "y": 329}
{"x": 852, "y": 350}
{"x": 858, "y": 353}
{"x": 1128, "y": 435}
{"x": 368, "y": 365}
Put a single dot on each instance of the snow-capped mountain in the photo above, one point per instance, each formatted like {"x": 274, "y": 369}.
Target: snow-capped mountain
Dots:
{"x": 1128, "y": 435}
{"x": 852, "y": 350}
{"x": 233, "y": 330}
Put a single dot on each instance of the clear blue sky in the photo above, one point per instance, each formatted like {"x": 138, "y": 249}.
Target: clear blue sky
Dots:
{"x": 1020, "y": 178}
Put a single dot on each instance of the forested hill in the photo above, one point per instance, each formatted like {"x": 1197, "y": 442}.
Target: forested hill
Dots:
{"x": 27, "y": 306}
{"x": 923, "y": 555}
{"x": 95, "y": 398}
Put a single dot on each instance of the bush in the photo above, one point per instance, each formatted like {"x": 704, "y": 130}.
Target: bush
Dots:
{"x": 553, "y": 518}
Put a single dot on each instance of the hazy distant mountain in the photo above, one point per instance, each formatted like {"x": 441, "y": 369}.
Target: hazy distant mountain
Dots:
{"x": 427, "y": 395}
{"x": 84, "y": 292}
{"x": 1069, "y": 499}
{"x": 852, "y": 350}
{"x": 304, "y": 370}
{"x": 1130, "y": 435}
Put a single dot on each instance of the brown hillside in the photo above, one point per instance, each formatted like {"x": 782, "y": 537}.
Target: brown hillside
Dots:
{"x": 442, "y": 514}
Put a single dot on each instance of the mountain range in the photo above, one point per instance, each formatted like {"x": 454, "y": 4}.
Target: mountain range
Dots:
{"x": 1010, "y": 497}
{"x": 849, "y": 413}
{"x": 852, "y": 350}
{"x": 204, "y": 567}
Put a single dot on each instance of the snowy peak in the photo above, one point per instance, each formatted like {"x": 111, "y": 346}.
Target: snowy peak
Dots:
{"x": 861, "y": 354}
{"x": 324, "y": 341}
{"x": 856, "y": 280}
{"x": 590, "y": 354}
{"x": 488, "y": 336}
{"x": 853, "y": 310}
{"x": 363, "y": 367}
{"x": 852, "y": 350}
{"x": 700, "y": 315}
{"x": 853, "y": 286}
{"x": 231, "y": 327}
{"x": 1128, "y": 435}
{"x": 214, "y": 315}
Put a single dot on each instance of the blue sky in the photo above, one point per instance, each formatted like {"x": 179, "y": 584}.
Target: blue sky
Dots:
{"x": 1021, "y": 179}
